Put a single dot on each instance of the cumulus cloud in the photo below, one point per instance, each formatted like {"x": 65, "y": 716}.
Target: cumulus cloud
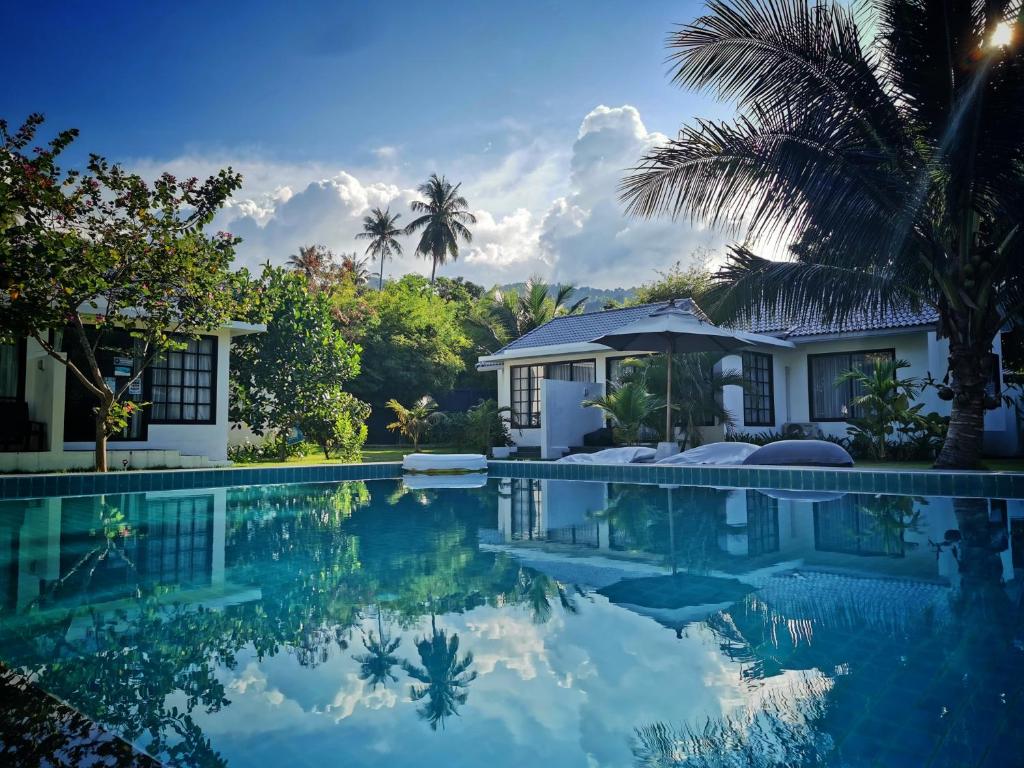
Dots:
{"x": 543, "y": 207}
{"x": 586, "y": 232}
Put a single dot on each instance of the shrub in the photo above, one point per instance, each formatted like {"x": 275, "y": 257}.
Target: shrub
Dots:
{"x": 335, "y": 423}
{"x": 484, "y": 427}
{"x": 271, "y": 449}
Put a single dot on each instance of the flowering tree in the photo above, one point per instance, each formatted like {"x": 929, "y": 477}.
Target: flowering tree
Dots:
{"x": 87, "y": 254}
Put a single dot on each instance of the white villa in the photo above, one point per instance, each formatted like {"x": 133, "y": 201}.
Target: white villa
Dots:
{"x": 544, "y": 376}
{"x": 46, "y": 420}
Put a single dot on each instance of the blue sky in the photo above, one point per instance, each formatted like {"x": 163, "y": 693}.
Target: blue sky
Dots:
{"x": 370, "y": 98}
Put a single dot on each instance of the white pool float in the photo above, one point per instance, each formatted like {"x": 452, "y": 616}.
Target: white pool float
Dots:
{"x": 444, "y": 462}
{"x": 713, "y": 453}
{"x": 630, "y": 455}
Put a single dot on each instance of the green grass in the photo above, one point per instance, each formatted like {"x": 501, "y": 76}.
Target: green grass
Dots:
{"x": 371, "y": 453}
{"x": 987, "y": 465}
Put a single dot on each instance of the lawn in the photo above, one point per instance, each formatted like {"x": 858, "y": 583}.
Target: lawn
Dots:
{"x": 987, "y": 465}
{"x": 370, "y": 453}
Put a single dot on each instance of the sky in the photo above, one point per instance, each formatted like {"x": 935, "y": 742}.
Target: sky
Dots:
{"x": 331, "y": 108}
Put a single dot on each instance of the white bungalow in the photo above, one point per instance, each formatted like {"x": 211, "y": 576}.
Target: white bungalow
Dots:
{"x": 544, "y": 376}
{"x": 46, "y": 420}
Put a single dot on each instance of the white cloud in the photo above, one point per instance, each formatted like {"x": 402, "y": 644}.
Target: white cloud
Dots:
{"x": 385, "y": 152}
{"x": 586, "y": 235}
{"x": 543, "y": 207}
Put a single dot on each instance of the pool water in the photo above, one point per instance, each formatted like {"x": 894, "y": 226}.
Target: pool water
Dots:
{"x": 525, "y": 622}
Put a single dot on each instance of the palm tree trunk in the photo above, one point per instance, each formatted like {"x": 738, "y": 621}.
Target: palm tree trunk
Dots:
{"x": 380, "y": 285}
{"x": 962, "y": 448}
{"x": 433, "y": 270}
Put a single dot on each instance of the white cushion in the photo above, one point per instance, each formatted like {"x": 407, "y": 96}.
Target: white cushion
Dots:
{"x": 444, "y": 462}
{"x": 713, "y": 453}
{"x": 628, "y": 455}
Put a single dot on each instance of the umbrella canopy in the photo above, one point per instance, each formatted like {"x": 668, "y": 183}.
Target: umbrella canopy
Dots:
{"x": 681, "y": 328}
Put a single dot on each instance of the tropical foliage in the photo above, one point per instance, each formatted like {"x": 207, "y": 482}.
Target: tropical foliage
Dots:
{"x": 442, "y": 222}
{"x": 292, "y": 376}
{"x": 887, "y": 147}
{"x": 697, "y": 381}
{"x": 413, "y": 341}
{"x": 630, "y": 407}
{"x": 883, "y": 404}
{"x": 516, "y": 314}
{"x": 413, "y": 422}
{"x": 694, "y": 281}
{"x": 102, "y": 254}
{"x": 316, "y": 263}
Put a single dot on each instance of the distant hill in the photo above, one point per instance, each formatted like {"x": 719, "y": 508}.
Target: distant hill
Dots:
{"x": 597, "y": 298}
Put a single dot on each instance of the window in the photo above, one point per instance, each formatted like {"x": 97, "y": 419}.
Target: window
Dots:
{"x": 577, "y": 370}
{"x": 12, "y": 371}
{"x": 762, "y": 523}
{"x": 526, "y": 395}
{"x": 831, "y": 401}
{"x": 182, "y": 384}
{"x": 758, "y": 390}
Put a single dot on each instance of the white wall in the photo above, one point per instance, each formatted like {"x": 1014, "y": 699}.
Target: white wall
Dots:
{"x": 564, "y": 420}
{"x": 531, "y": 438}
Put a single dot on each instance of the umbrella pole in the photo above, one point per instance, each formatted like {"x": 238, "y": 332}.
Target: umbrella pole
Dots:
{"x": 671, "y": 532}
{"x": 668, "y": 398}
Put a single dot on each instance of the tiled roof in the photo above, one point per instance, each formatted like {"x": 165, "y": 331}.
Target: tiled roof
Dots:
{"x": 580, "y": 329}
{"x": 776, "y": 324}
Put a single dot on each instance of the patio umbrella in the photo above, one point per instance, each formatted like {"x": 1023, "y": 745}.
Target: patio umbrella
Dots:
{"x": 678, "y": 328}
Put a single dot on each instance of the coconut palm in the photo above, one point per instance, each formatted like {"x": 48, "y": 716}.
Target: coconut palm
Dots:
{"x": 887, "y": 148}
{"x": 443, "y": 220}
{"x": 382, "y": 230}
{"x": 519, "y": 313}
{"x": 354, "y": 268}
{"x": 538, "y": 590}
{"x": 413, "y": 422}
{"x": 444, "y": 677}
{"x": 375, "y": 665}
{"x": 316, "y": 263}
{"x": 696, "y": 382}
{"x": 630, "y": 408}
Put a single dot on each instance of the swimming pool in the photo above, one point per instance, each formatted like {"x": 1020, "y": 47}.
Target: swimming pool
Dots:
{"x": 525, "y": 621}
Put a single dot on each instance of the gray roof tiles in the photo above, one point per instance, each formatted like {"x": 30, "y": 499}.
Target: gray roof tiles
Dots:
{"x": 581, "y": 329}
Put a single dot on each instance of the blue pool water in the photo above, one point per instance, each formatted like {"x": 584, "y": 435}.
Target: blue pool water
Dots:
{"x": 525, "y": 622}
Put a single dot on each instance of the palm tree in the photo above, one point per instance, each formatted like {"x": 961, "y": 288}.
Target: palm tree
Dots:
{"x": 520, "y": 313}
{"x": 444, "y": 676}
{"x": 354, "y": 268}
{"x": 630, "y": 408}
{"x": 315, "y": 262}
{"x": 883, "y": 403}
{"x": 889, "y": 153}
{"x": 382, "y": 230}
{"x": 375, "y": 665}
{"x": 695, "y": 386}
{"x": 413, "y": 422}
{"x": 443, "y": 221}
